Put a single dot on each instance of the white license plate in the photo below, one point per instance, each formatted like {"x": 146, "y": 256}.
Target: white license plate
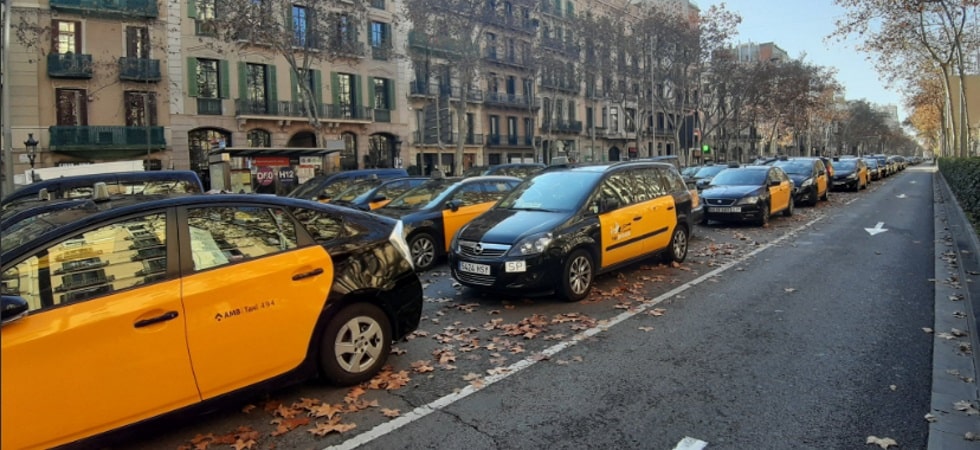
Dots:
{"x": 515, "y": 266}
{"x": 469, "y": 267}
{"x": 725, "y": 209}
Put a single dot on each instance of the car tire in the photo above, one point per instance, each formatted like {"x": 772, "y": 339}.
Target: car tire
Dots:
{"x": 764, "y": 214}
{"x": 355, "y": 344}
{"x": 826, "y": 194}
{"x": 423, "y": 248}
{"x": 677, "y": 249}
{"x": 857, "y": 186}
{"x": 577, "y": 276}
{"x": 788, "y": 212}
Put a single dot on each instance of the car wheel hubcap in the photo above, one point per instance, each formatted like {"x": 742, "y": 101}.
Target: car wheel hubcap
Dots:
{"x": 579, "y": 275}
{"x": 424, "y": 252}
{"x": 680, "y": 244}
{"x": 359, "y": 344}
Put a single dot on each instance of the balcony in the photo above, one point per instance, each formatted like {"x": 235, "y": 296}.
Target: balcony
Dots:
{"x": 560, "y": 84}
{"x": 563, "y": 126}
{"x": 205, "y": 28}
{"x": 436, "y": 44}
{"x": 100, "y": 138}
{"x": 286, "y": 109}
{"x": 348, "y": 48}
{"x": 381, "y": 53}
{"x": 512, "y": 60}
{"x": 494, "y": 140}
{"x": 139, "y": 69}
{"x": 127, "y": 8}
{"x": 510, "y": 100}
{"x": 382, "y": 115}
{"x": 209, "y": 106}
{"x": 69, "y": 65}
{"x": 377, "y": 4}
{"x": 469, "y": 139}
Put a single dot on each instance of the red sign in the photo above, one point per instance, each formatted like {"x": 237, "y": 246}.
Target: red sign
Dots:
{"x": 271, "y": 161}
{"x": 265, "y": 176}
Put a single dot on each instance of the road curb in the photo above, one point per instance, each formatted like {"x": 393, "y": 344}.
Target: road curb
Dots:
{"x": 955, "y": 400}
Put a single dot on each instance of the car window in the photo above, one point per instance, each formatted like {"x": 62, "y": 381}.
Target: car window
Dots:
{"x": 740, "y": 177}
{"x": 619, "y": 186}
{"x": 550, "y": 191}
{"x": 113, "y": 257}
{"x": 470, "y": 194}
{"x": 222, "y": 235}
{"x": 325, "y": 226}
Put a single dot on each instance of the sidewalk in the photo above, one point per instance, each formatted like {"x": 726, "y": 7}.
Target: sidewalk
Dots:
{"x": 954, "y": 415}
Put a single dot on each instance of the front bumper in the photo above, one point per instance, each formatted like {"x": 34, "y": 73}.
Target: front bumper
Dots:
{"x": 541, "y": 272}
{"x": 740, "y": 213}
{"x": 845, "y": 183}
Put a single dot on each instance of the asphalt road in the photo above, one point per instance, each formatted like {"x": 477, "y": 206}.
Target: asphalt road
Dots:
{"x": 805, "y": 334}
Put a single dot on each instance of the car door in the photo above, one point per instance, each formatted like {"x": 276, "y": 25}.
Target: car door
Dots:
{"x": 823, "y": 184}
{"x": 474, "y": 199}
{"x": 780, "y": 190}
{"x": 620, "y": 219}
{"x": 104, "y": 344}
{"x": 254, "y": 287}
{"x": 659, "y": 214}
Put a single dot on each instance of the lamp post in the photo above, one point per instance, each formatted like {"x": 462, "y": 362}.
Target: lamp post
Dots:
{"x": 31, "y": 145}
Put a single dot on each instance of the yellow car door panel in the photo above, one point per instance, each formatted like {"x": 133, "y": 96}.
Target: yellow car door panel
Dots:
{"x": 452, "y": 221}
{"x": 662, "y": 220}
{"x": 270, "y": 323}
{"x": 622, "y": 234}
{"x": 101, "y": 363}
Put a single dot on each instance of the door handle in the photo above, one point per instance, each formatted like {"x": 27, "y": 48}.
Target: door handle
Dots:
{"x": 311, "y": 273}
{"x": 169, "y": 315}
{"x": 637, "y": 218}
{"x": 670, "y": 208}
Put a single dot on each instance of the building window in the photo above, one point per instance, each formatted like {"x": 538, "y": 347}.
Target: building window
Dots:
{"x": 205, "y": 15}
{"x": 138, "y": 42}
{"x": 491, "y": 46}
{"x": 512, "y": 130}
{"x": 141, "y": 109}
{"x": 72, "y": 107}
{"x": 67, "y": 36}
{"x": 382, "y": 93}
{"x": 492, "y": 83}
{"x": 301, "y": 27}
{"x": 494, "y": 126}
{"x": 346, "y": 94}
{"x": 207, "y": 78}
{"x": 380, "y": 34}
{"x": 613, "y": 119}
{"x": 259, "y": 138}
{"x": 346, "y": 31}
{"x": 255, "y": 88}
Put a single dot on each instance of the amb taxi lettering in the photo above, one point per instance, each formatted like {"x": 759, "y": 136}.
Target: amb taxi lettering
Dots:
{"x": 618, "y": 232}
{"x": 244, "y": 310}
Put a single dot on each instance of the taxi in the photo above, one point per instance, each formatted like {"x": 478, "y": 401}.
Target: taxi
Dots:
{"x": 852, "y": 174}
{"x": 810, "y": 178}
{"x": 559, "y": 229}
{"x": 374, "y": 193}
{"x": 433, "y": 211}
{"x": 748, "y": 194}
{"x": 122, "y": 314}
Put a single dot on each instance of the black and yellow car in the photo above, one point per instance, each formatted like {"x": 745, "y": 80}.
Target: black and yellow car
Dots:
{"x": 852, "y": 174}
{"x": 374, "y": 193}
{"x": 122, "y": 314}
{"x": 560, "y": 228}
{"x": 748, "y": 194}
{"x": 810, "y": 179}
{"x": 433, "y": 211}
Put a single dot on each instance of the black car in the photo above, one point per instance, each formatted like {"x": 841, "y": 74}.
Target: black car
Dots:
{"x": 748, "y": 194}
{"x": 704, "y": 175}
{"x": 519, "y": 170}
{"x": 559, "y": 229}
{"x": 810, "y": 179}
{"x": 374, "y": 193}
{"x": 852, "y": 174}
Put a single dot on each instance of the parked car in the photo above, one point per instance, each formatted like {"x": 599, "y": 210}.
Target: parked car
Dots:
{"x": 433, "y": 211}
{"x": 324, "y": 187}
{"x": 117, "y": 183}
{"x": 374, "y": 193}
{"x": 748, "y": 194}
{"x": 519, "y": 170}
{"x": 852, "y": 174}
{"x": 559, "y": 229}
{"x": 874, "y": 171}
{"x": 704, "y": 175}
{"x": 810, "y": 180}
{"x": 123, "y": 314}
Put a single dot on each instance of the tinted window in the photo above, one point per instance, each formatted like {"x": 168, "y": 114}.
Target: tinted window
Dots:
{"x": 324, "y": 226}
{"x": 795, "y": 167}
{"x": 227, "y": 235}
{"x": 739, "y": 177}
{"x": 107, "y": 259}
{"x": 708, "y": 171}
{"x": 551, "y": 191}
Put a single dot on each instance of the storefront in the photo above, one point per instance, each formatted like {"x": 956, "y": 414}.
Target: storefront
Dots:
{"x": 265, "y": 170}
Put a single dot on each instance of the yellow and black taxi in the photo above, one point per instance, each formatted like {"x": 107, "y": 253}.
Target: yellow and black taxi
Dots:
{"x": 560, "y": 228}
{"x": 120, "y": 315}
{"x": 810, "y": 179}
{"x": 852, "y": 174}
{"x": 374, "y": 193}
{"x": 748, "y": 194}
{"x": 433, "y": 211}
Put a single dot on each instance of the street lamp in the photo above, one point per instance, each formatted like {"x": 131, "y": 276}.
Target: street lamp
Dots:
{"x": 31, "y": 145}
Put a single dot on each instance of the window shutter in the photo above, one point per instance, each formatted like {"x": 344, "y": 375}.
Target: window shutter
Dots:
{"x": 242, "y": 80}
{"x": 335, "y": 87}
{"x": 371, "y": 93}
{"x": 192, "y": 9}
{"x": 224, "y": 87}
{"x": 192, "y": 77}
{"x": 571, "y": 110}
{"x": 390, "y": 93}
{"x": 272, "y": 95}
{"x": 293, "y": 87}
{"x": 82, "y": 100}
{"x": 358, "y": 90}
{"x": 317, "y": 88}
{"x": 151, "y": 104}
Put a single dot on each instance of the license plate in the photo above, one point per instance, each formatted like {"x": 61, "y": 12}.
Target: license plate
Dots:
{"x": 725, "y": 209}
{"x": 481, "y": 269}
{"x": 515, "y": 266}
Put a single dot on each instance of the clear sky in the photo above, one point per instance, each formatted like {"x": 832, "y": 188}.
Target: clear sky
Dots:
{"x": 800, "y": 27}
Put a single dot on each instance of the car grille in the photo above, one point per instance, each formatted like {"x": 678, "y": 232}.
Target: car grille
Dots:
{"x": 720, "y": 201}
{"x": 472, "y": 278}
{"x": 482, "y": 250}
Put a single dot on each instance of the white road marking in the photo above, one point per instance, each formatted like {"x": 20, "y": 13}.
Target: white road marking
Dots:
{"x": 901, "y": 196}
{"x": 689, "y": 443}
{"x": 877, "y": 229}
{"x": 442, "y": 402}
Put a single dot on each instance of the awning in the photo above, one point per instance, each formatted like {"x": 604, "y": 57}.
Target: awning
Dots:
{"x": 217, "y": 154}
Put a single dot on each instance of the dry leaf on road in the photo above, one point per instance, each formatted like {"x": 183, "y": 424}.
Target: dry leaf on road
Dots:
{"x": 882, "y": 442}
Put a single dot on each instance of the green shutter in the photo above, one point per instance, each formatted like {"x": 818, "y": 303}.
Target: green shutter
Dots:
{"x": 317, "y": 87}
{"x": 390, "y": 93}
{"x": 272, "y": 93}
{"x": 571, "y": 110}
{"x": 225, "y": 87}
{"x": 371, "y": 92}
{"x": 293, "y": 87}
{"x": 192, "y": 77}
{"x": 242, "y": 80}
{"x": 192, "y": 9}
{"x": 358, "y": 90}
{"x": 335, "y": 87}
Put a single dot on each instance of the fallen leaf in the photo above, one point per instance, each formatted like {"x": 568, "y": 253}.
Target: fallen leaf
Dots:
{"x": 646, "y": 328}
{"x": 323, "y": 429}
{"x": 971, "y": 436}
{"x": 471, "y": 376}
{"x": 240, "y": 444}
{"x": 927, "y": 329}
{"x": 422, "y": 366}
{"x": 284, "y": 426}
{"x": 882, "y": 442}
{"x": 893, "y": 387}
{"x": 790, "y": 289}
{"x": 248, "y": 408}
{"x": 931, "y": 418}
{"x": 967, "y": 407}
{"x": 326, "y": 410}
{"x": 390, "y": 412}
{"x": 657, "y": 312}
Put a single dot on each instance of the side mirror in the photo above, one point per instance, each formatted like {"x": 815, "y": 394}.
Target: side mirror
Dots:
{"x": 609, "y": 204}
{"x": 775, "y": 183}
{"x": 379, "y": 198}
{"x": 12, "y": 308}
{"x": 454, "y": 204}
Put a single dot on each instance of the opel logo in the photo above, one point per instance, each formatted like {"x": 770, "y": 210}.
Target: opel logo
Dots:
{"x": 478, "y": 249}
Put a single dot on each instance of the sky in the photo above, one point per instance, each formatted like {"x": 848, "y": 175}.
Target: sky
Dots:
{"x": 800, "y": 27}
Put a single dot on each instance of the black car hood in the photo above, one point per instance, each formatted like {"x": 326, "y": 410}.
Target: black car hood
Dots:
{"x": 798, "y": 179}
{"x": 842, "y": 173}
{"x": 730, "y": 191}
{"x": 507, "y": 226}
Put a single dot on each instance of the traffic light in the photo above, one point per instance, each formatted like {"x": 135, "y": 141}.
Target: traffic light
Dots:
{"x": 705, "y": 149}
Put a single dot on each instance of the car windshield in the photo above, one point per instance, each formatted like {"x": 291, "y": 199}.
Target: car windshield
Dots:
{"x": 551, "y": 191}
{"x": 735, "y": 177}
{"x": 690, "y": 171}
{"x": 845, "y": 164}
{"x": 308, "y": 189}
{"x": 795, "y": 167}
{"x": 356, "y": 190}
{"x": 872, "y": 163}
{"x": 709, "y": 171}
{"x": 426, "y": 195}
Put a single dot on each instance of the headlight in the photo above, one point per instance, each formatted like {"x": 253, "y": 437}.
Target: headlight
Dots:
{"x": 748, "y": 200}
{"x": 852, "y": 176}
{"x": 531, "y": 245}
{"x": 806, "y": 182}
